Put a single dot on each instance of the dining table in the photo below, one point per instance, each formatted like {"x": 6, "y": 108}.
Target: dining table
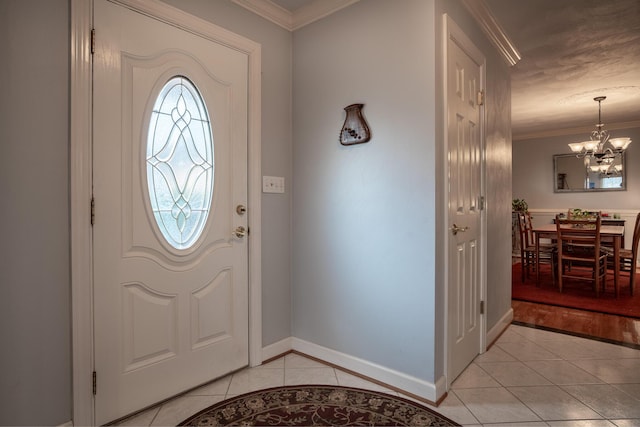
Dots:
{"x": 608, "y": 233}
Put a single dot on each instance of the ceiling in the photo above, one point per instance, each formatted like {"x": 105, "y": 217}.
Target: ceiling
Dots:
{"x": 572, "y": 51}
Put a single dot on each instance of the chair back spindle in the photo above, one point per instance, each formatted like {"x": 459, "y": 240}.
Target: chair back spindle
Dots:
{"x": 579, "y": 253}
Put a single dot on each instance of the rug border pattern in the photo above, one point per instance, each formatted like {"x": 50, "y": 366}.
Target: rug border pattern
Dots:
{"x": 391, "y": 397}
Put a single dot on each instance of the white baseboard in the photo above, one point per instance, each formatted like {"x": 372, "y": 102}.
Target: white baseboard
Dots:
{"x": 277, "y": 348}
{"x": 441, "y": 388}
{"x": 398, "y": 380}
{"x": 500, "y": 326}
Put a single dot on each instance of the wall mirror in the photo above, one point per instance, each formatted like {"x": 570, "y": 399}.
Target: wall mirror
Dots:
{"x": 574, "y": 174}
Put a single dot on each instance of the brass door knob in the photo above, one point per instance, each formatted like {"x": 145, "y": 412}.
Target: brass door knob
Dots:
{"x": 455, "y": 229}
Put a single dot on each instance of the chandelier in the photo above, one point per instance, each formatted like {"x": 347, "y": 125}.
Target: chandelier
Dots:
{"x": 599, "y": 158}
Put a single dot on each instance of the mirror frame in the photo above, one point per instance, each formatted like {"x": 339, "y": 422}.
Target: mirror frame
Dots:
{"x": 623, "y": 187}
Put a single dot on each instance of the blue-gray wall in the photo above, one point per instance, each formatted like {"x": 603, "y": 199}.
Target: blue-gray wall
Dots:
{"x": 534, "y": 158}
{"x": 364, "y": 215}
{"x": 35, "y": 309}
{"x": 367, "y": 219}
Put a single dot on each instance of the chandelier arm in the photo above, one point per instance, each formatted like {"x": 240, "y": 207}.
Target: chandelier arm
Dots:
{"x": 595, "y": 149}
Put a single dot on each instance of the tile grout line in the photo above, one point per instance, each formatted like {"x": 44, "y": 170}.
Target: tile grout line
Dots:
{"x": 155, "y": 415}
{"x": 465, "y": 406}
{"x": 551, "y": 381}
{"x": 585, "y": 404}
{"x": 558, "y": 385}
{"x": 226, "y": 392}
{"x": 603, "y": 382}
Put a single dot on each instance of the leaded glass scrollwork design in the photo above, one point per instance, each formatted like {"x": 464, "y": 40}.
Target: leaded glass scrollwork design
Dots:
{"x": 180, "y": 162}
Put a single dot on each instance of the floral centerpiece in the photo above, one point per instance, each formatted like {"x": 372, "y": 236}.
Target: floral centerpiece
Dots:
{"x": 582, "y": 214}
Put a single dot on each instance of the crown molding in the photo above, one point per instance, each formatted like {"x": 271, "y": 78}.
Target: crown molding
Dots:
{"x": 307, "y": 14}
{"x": 586, "y": 130}
{"x": 270, "y": 11}
{"x": 318, "y": 9}
{"x": 488, "y": 23}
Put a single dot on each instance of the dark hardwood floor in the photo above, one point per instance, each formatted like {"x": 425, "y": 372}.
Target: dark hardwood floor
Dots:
{"x": 601, "y": 326}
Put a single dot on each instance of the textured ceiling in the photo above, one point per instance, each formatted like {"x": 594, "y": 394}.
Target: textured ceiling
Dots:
{"x": 572, "y": 51}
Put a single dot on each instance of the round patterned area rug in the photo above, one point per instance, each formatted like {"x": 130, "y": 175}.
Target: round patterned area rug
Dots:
{"x": 317, "y": 405}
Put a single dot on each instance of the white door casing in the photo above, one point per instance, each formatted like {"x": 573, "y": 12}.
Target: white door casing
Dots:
{"x": 465, "y": 158}
{"x": 165, "y": 319}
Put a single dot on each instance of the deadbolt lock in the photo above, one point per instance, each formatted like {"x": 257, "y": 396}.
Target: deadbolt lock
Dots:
{"x": 240, "y": 231}
{"x": 241, "y": 209}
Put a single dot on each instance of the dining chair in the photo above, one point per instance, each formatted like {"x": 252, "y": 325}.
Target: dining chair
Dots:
{"x": 525, "y": 249}
{"x": 528, "y": 226}
{"x": 629, "y": 257}
{"x": 547, "y": 247}
{"x": 580, "y": 256}
{"x": 529, "y": 261}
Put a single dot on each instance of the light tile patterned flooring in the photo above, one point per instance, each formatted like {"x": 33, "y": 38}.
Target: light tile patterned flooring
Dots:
{"x": 530, "y": 377}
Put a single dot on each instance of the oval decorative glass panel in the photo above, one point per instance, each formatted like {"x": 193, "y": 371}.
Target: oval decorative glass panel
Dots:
{"x": 180, "y": 162}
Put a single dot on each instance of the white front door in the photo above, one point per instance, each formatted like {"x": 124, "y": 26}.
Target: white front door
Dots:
{"x": 170, "y": 172}
{"x": 464, "y": 193}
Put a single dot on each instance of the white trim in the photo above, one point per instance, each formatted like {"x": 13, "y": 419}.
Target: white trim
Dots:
{"x": 483, "y": 212}
{"x": 488, "y": 23}
{"x": 254, "y": 53}
{"x": 399, "y": 380}
{"x": 254, "y": 182}
{"x": 278, "y": 348}
{"x": 270, "y": 11}
{"x": 297, "y": 19}
{"x": 586, "y": 130}
{"x": 81, "y": 172}
{"x": 80, "y": 197}
{"x": 168, "y": 14}
{"x": 441, "y": 387}
{"x": 500, "y": 326}
{"x": 445, "y": 197}
{"x": 67, "y": 424}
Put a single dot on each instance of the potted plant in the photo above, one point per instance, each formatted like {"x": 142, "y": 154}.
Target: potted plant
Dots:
{"x": 519, "y": 205}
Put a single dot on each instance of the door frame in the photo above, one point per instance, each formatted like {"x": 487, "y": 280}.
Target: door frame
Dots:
{"x": 81, "y": 173}
{"x": 451, "y": 31}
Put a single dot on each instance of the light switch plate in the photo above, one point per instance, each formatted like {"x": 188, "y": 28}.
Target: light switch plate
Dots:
{"x": 273, "y": 184}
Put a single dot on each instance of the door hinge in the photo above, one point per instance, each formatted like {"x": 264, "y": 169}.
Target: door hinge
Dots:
{"x": 480, "y": 97}
{"x": 93, "y": 41}
{"x": 95, "y": 382}
{"x": 481, "y": 307}
{"x": 93, "y": 210}
{"x": 481, "y": 203}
